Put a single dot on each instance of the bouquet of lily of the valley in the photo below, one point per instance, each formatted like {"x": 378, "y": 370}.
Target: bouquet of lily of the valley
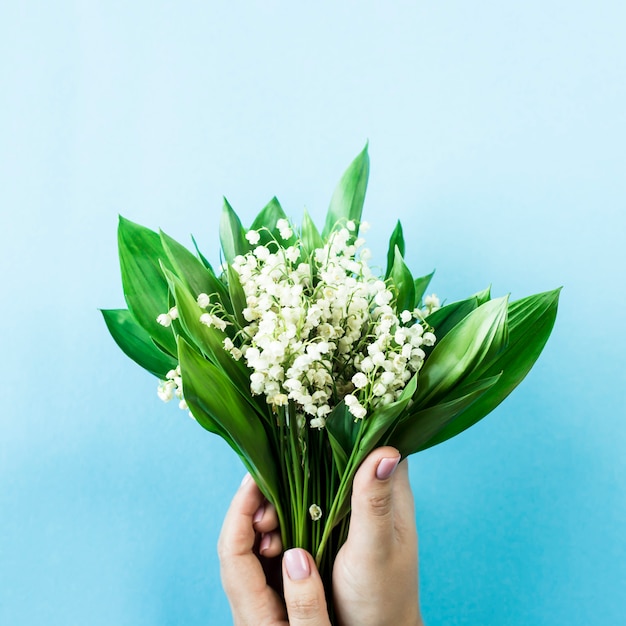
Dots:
{"x": 304, "y": 359}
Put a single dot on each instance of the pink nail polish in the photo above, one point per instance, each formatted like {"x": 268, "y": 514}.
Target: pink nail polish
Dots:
{"x": 386, "y": 467}
{"x": 246, "y": 479}
{"x": 258, "y": 516}
{"x": 265, "y": 543}
{"x": 296, "y": 564}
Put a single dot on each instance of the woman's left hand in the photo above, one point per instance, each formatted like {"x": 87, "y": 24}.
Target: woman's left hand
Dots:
{"x": 249, "y": 541}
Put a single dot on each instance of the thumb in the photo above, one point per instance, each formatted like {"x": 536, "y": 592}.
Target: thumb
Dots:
{"x": 303, "y": 589}
{"x": 374, "y": 495}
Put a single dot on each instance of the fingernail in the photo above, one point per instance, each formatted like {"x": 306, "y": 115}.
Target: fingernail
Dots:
{"x": 246, "y": 479}
{"x": 266, "y": 540}
{"x": 297, "y": 564}
{"x": 258, "y": 516}
{"x": 386, "y": 468}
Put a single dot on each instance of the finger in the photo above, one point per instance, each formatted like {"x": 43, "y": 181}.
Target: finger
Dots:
{"x": 374, "y": 496}
{"x": 265, "y": 518}
{"x": 304, "y": 591}
{"x": 240, "y": 568}
{"x": 271, "y": 544}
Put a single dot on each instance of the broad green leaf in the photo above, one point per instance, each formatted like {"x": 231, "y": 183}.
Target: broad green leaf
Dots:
{"x": 530, "y": 323}
{"x": 412, "y": 433}
{"x": 237, "y": 296}
{"x": 201, "y": 256}
{"x": 232, "y": 234}
{"x": 443, "y": 320}
{"x": 268, "y": 216}
{"x": 265, "y": 223}
{"x": 311, "y": 239}
{"x": 145, "y": 287}
{"x": 349, "y": 195}
{"x": 396, "y": 239}
{"x": 209, "y": 340}
{"x": 479, "y": 336}
{"x": 342, "y": 431}
{"x": 483, "y": 296}
{"x": 136, "y": 343}
{"x": 383, "y": 419}
{"x": 188, "y": 268}
{"x": 375, "y": 426}
{"x": 403, "y": 283}
{"x": 208, "y": 389}
{"x": 421, "y": 285}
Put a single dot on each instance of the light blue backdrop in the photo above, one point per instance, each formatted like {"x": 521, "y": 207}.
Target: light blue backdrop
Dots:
{"x": 497, "y": 134}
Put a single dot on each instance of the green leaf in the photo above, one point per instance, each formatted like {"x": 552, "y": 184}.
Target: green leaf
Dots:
{"x": 382, "y": 419}
{"x": 530, "y": 323}
{"x": 342, "y": 431}
{"x": 201, "y": 256}
{"x": 443, "y": 320}
{"x": 232, "y": 234}
{"x": 478, "y": 337}
{"x": 145, "y": 287}
{"x": 421, "y": 285}
{"x": 209, "y": 340}
{"x": 208, "y": 391}
{"x": 265, "y": 223}
{"x": 374, "y": 427}
{"x": 268, "y": 216}
{"x": 136, "y": 343}
{"x": 396, "y": 239}
{"x": 412, "y": 433}
{"x": 349, "y": 195}
{"x": 237, "y": 296}
{"x": 403, "y": 281}
{"x": 310, "y": 236}
{"x": 483, "y": 296}
{"x": 196, "y": 276}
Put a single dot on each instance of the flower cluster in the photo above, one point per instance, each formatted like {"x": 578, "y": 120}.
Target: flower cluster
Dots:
{"x": 321, "y": 329}
{"x": 172, "y": 387}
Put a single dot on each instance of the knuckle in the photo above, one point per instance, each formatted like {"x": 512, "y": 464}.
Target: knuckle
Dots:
{"x": 380, "y": 504}
{"x": 304, "y": 606}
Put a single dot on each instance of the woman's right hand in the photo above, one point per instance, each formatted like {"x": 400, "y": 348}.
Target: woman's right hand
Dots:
{"x": 375, "y": 578}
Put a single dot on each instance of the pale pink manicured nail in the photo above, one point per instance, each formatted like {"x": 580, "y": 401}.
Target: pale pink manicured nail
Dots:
{"x": 258, "y": 516}
{"x": 266, "y": 541}
{"x": 246, "y": 479}
{"x": 297, "y": 564}
{"x": 386, "y": 468}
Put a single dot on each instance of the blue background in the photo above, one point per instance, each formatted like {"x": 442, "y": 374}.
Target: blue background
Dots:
{"x": 497, "y": 134}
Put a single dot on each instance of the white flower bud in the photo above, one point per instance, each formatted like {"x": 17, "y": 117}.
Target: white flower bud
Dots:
{"x": 318, "y": 422}
{"x": 164, "y": 319}
{"x": 359, "y": 380}
{"x": 386, "y": 378}
{"x": 203, "y": 300}
{"x": 253, "y": 237}
{"x": 350, "y": 400}
{"x": 206, "y": 319}
{"x": 315, "y": 512}
{"x": 379, "y": 389}
{"x": 429, "y": 339}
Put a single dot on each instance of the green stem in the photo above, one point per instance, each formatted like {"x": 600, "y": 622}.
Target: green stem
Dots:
{"x": 345, "y": 486}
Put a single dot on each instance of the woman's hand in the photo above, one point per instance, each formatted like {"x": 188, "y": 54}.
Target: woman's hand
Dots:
{"x": 249, "y": 540}
{"x": 375, "y": 573}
